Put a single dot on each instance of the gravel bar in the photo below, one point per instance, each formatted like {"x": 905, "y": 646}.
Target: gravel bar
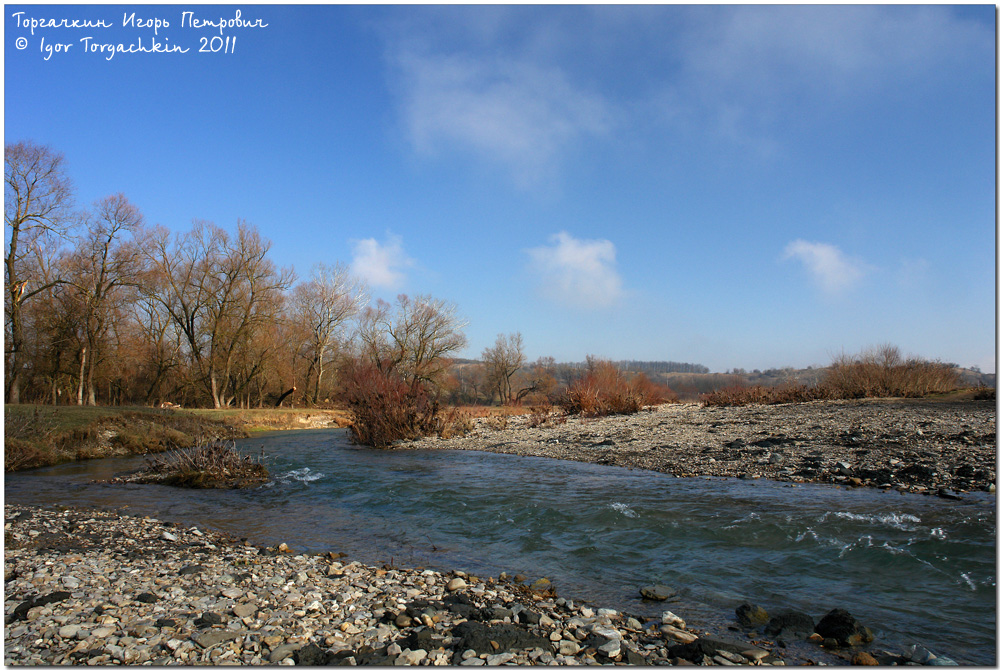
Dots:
{"x": 921, "y": 446}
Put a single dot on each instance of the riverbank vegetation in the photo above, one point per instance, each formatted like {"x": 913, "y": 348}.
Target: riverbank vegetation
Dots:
{"x": 881, "y": 372}
{"x": 39, "y": 435}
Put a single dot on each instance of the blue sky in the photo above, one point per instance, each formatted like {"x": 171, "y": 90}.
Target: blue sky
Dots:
{"x": 736, "y": 186}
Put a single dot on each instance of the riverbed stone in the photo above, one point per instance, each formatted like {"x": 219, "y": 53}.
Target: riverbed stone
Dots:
{"x": 751, "y": 616}
{"x": 790, "y": 623}
{"x": 657, "y": 592}
{"x": 839, "y": 625}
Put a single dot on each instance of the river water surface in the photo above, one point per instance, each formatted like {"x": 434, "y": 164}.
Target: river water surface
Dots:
{"x": 915, "y": 569}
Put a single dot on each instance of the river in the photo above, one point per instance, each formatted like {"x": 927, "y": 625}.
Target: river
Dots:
{"x": 915, "y": 569}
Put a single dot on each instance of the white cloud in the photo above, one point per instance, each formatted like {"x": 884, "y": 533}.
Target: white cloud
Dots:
{"x": 834, "y": 272}
{"x": 519, "y": 114}
{"x": 578, "y": 272}
{"x": 380, "y": 264}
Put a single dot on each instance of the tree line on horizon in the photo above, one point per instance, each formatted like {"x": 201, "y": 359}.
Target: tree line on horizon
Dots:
{"x": 102, "y": 308}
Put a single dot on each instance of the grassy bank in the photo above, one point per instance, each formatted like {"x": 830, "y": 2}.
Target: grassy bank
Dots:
{"x": 39, "y": 435}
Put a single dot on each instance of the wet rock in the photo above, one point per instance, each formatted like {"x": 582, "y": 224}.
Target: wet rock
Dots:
{"x": 146, "y": 598}
{"x": 673, "y": 620}
{"x": 839, "y": 625}
{"x": 657, "y": 592}
{"x": 751, "y": 616}
{"x": 790, "y": 624}
{"x": 707, "y": 646}
{"x": 541, "y": 585}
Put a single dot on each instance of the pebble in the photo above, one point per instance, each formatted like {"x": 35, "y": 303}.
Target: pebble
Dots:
{"x": 240, "y": 604}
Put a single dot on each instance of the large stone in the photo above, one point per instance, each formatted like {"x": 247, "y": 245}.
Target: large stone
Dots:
{"x": 676, "y": 634}
{"x": 568, "y": 647}
{"x": 708, "y": 646}
{"x": 244, "y": 610}
{"x": 211, "y": 638}
{"x": 751, "y": 616}
{"x": 283, "y": 651}
{"x": 790, "y": 624}
{"x": 657, "y": 592}
{"x": 863, "y": 658}
{"x": 69, "y": 632}
{"x": 456, "y": 584}
{"x": 504, "y": 636}
{"x": 839, "y": 625}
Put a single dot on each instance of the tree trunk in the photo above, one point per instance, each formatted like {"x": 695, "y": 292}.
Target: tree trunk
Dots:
{"x": 216, "y": 400}
{"x": 83, "y": 364}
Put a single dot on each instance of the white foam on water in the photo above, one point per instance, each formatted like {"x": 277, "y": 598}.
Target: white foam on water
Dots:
{"x": 752, "y": 516}
{"x": 304, "y": 475}
{"x": 624, "y": 510}
{"x": 939, "y": 534}
{"x": 968, "y": 580}
{"x": 900, "y": 521}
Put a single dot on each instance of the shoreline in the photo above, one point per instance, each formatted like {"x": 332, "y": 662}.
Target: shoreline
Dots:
{"x": 96, "y": 587}
{"x": 918, "y": 446}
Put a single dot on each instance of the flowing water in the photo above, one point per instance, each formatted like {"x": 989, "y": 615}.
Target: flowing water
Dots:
{"x": 915, "y": 569}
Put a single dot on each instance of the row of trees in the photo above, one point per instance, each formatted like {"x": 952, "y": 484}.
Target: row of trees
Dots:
{"x": 103, "y": 308}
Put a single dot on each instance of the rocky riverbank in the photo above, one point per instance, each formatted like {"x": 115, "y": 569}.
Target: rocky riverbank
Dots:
{"x": 98, "y": 588}
{"x": 923, "y": 446}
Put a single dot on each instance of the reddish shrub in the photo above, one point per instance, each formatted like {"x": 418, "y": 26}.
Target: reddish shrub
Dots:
{"x": 386, "y": 408}
{"x": 604, "y": 390}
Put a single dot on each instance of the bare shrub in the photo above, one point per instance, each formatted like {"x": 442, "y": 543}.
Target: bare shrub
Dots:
{"x": 386, "y": 408}
{"x": 604, "y": 390}
{"x": 737, "y": 396}
{"x": 19, "y": 454}
{"x": 539, "y": 415}
{"x": 877, "y": 373}
{"x": 882, "y": 372}
{"x": 209, "y": 465}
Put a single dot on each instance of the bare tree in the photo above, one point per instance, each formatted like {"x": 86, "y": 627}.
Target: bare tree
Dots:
{"x": 220, "y": 292}
{"x": 105, "y": 261}
{"x": 413, "y": 340}
{"x": 37, "y": 201}
{"x": 502, "y": 361}
{"x": 323, "y": 305}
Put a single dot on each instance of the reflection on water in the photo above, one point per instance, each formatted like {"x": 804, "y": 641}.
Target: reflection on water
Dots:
{"x": 909, "y": 566}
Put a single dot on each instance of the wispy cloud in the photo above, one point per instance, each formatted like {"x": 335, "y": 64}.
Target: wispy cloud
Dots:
{"x": 521, "y": 115}
{"x": 381, "y": 264}
{"x": 581, "y": 273}
{"x": 829, "y": 267}
{"x": 524, "y": 86}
